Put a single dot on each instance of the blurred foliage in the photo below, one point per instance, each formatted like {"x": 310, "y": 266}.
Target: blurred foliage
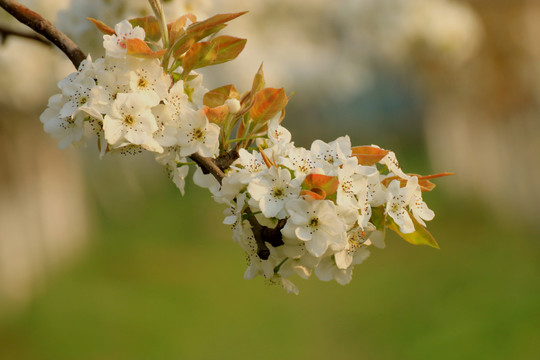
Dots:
{"x": 164, "y": 281}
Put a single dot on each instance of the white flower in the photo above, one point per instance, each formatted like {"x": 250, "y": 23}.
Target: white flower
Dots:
{"x": 331, "y": 154}
{"x": 277, "y": 134}
{"x": 317, "y": 224}
{"x": 418, "y": 207}
{"x": 115, "y": 45}
{"x": 168, "y": 126}
{"x": 247, "y": 166}
{"x": 350, "y": 183}
{"x": 300, "y": 161}
{"x": 356, "y": 251}
{"x": 195, "y": 91}
{"x": 66, "y": 129}
{"x": 397, "y": 199}
{"x": 391, "y": 163}
{"x": 76, "y": 89}
{"x": 271, "y": 191}
{"x": 177, "y": 99}
{"x": 131, "y": 121}
{"x": 197, "y": 134}
{"x": 147, "y": 74}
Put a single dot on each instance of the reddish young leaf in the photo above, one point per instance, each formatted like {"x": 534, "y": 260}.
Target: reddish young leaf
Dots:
{"x": 423, "y": 181}
{"x": 207, "y": 26}
{"x": 102, "y": 27}
{"x": 266, "y": 159}
{"x": 369, "y": 155}
{"x": 218, "y": 96}
{"x": 228, "y": 48}
{"x": 216, "y": 115}
{"x": 176, "y": 28}
{"x": 267, "y": 103}
{"x": 328, "y": 184}
{"x": 138, "y": 48}
{"x": 199, "y": 55}
{"x": 150, "y": 26}
{"x": 316, "y": 193}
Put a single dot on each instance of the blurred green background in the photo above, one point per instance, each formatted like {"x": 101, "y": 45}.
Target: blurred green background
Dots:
{"x": 143, "y": 273}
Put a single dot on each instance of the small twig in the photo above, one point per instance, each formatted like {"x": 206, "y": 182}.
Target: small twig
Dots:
{"x": 5, "y": 32}
{"x": 45, "y": 28}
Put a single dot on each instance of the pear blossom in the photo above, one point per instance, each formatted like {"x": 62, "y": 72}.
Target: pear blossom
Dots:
{"x": 66, "y": 129}
{"x": 147, "y": 74}
{"x": 271, "y": 191}
{"x": 317, "y": 224}
{"x": 131, "y": 121}
{"x": 397, "y": 200}
{"x": 115, "y": 45}
{"x": 418, "y": 207}
{"x": 350, "y": 183}
{"x": 197, "y": 134}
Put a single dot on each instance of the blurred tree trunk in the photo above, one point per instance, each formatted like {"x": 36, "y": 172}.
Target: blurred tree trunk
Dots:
{"x": 483, "y": 119}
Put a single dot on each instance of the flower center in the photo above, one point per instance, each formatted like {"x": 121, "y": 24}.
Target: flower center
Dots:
{"x": 314, "y": 223}
{"x": 198, "y": 134}
{"x": 142, "y": 83}
{"x": 129, "y": 120}
{"x": 278, "y": 193}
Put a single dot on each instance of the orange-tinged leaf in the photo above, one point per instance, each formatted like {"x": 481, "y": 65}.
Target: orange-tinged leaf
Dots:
{"x": 266, "y": 159}
{"x": 138, "y": 48}
{"x": 219, "y": 95}
{"x": 212, "y": 23}
{"x": 216, "y": 115}
{"x": 423, "y": 181}
{"x": 369, "y": 155}
{"x": 102, "y": 27}
{"x": 317, "y": 194}
{"x": 199, "y": 55}
{"x": 258, "y": 81}
{"x": 328, "y": 184}
{"x": 228, "y": 48}
{"x": 420, "y": 236}
{"x": 150, "y": 25}
{"x": 267, "y": 103}
{"x": 176, "y": 28}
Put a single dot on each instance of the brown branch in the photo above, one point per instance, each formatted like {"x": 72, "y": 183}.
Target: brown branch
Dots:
{"x": 262, "y": 234}
{"x": 45, "y": 28}
{"x": 5, "y": 32}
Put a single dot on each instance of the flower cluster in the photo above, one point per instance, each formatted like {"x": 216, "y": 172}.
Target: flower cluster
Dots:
{"x": 293, "y": 210}
{"x": 129, "y": 104}
{"x": 327, "y": 205}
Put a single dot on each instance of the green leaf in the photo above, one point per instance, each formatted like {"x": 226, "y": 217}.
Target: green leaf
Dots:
{"x": 378, "y": 218}
{"x": 419, "y": 237}
{"x": 150, "y": 25}
{"x": 258, "y": 81}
